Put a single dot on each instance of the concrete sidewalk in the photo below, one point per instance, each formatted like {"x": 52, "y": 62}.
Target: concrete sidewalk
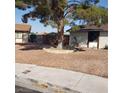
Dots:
{"x": 52, "y": 80}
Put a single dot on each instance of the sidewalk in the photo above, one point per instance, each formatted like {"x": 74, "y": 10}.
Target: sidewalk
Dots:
{"x": 52, "y": 80}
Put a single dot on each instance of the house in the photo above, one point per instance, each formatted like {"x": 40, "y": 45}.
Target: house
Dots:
{"x": 22, "y": 33}
{"x": 90, "y": 36}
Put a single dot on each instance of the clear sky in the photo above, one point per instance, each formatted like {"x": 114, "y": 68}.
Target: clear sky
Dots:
{"x": 38, "y": 27}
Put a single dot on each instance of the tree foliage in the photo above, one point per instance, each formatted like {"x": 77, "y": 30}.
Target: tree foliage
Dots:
{"x": 45, "y": 10}
{"x": 93, "y": 15}
{"x": 56, "y": 10}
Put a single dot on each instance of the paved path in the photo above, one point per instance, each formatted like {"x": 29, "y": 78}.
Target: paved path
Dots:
{"x": 52, "y": 80}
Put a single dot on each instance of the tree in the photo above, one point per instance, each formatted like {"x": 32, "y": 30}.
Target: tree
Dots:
{"x": 93, "y": 15}
{"x": 53, "y": 12}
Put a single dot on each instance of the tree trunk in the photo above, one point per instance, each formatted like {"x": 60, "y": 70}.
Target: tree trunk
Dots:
{"x": 60, "y": 34}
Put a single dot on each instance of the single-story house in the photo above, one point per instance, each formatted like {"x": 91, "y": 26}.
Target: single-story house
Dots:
{"x": 22, "y": 33}
{"x": 90, "y": 36}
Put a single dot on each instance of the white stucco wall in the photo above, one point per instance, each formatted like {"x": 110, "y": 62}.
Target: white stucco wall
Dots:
{"x": 25, "y": 37}
{"x": 18, "y": 40}
{"x": 93, "y": 44}
{"x": 82, "y": 38}
{"x": 103, "y": 39}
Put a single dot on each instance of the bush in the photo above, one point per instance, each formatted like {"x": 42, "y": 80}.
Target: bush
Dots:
{"x": 32, "y": 38}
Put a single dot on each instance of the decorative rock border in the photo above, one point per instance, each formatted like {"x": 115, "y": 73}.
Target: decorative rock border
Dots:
{"x": 58, "y": 51}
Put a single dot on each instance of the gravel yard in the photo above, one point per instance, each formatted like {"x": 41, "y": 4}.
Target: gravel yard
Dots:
{"x": 90, "y": 61}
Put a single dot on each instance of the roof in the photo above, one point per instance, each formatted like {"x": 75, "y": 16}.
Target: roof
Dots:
{"x": 104, "y": 27}
{"x": 41, "y": 33}
{"x": 94, "y": 28}
{"x": 22, "y": 28}
{"x": 55, "y": 33}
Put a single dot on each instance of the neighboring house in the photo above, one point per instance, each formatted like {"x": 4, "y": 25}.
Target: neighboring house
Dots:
{"x": 90, "y": 37}
{"x": 22, "y": 33}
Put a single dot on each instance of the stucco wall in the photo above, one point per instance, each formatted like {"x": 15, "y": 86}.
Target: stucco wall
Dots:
{"x": 25, "y": 37}
{"x": 82, "y": 38}
{"x": 103, "y": 39}
{"x": 93, "y": 45}
{"x": 18, "y": 40}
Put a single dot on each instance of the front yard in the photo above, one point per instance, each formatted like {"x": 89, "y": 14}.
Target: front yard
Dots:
{"x": 90, "y": 61}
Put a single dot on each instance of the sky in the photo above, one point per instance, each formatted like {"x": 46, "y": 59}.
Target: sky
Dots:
{"x": 38, "y": 27}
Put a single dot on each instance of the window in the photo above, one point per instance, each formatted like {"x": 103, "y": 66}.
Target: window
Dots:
{"x": 18, "y": 35}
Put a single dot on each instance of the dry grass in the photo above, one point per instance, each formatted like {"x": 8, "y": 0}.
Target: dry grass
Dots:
{"x": 90, "y": 61}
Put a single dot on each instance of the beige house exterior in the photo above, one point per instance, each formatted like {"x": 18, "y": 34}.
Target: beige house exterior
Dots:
{"x": 22, "y": 33}
{"x": 90, "y": 37}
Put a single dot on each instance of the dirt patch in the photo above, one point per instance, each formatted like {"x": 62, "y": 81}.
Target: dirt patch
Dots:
{"x": 90, "y": 61}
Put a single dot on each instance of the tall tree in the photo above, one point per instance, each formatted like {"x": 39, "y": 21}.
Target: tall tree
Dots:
{"x": 93, "y": 15}
{"x": 53, "y": 12}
